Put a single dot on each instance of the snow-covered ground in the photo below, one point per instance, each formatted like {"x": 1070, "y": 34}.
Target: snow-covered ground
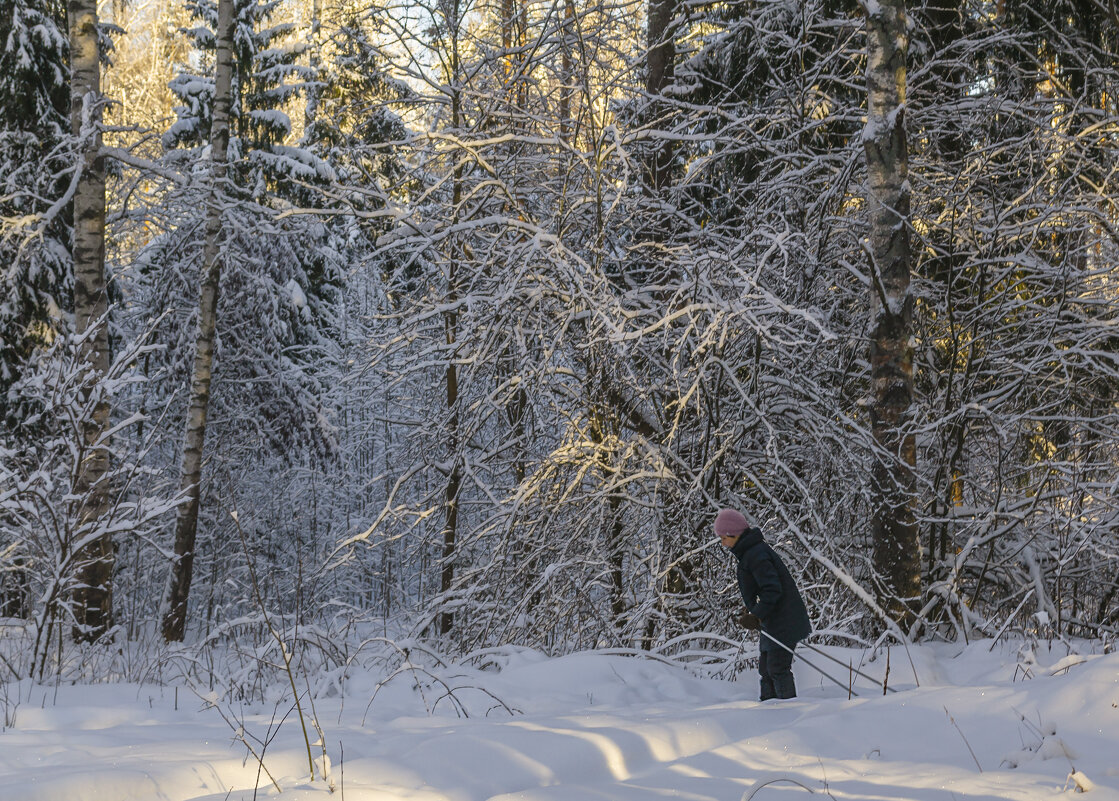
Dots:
{"x": 1012, "y": 722}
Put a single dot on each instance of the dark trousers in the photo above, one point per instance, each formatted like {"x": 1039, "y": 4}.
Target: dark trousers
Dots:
{"x": 776, "y": 669}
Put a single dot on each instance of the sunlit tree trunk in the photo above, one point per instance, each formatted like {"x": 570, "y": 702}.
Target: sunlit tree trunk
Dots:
{"x": 896, "y": 549}
{"x": 186, "y": 523}
{"x": 93, "y": 594}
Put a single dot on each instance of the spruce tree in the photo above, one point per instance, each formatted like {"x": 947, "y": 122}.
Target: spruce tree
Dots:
{"x": 280, "y": 291}
{"x": 35, "y": 225}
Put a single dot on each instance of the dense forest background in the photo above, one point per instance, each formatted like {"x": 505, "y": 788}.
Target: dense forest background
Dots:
{"x": 459, "y": 320}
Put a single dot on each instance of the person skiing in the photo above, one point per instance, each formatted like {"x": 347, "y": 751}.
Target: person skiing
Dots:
{"x": 773, "y": 603}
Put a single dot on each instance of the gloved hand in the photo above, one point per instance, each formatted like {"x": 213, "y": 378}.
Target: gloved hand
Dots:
{"x": 748, "y": 621}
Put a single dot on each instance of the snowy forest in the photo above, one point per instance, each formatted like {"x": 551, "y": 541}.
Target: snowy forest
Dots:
{"x": 459, "y": 320}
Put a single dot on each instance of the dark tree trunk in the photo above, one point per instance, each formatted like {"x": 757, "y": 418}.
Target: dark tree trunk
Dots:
{"x": 660, "y": 70}
{"x": 567, "y": 71}
{"x": 454, "y": 480}
{"x": 451, "y": 378}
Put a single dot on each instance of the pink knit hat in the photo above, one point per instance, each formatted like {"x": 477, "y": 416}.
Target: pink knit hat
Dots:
{"x": 730, "y": 523}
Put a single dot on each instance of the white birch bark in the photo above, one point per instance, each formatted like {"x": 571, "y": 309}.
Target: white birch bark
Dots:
{"x": 93, "y": 594}
{"x": 896, "y": 549}
{"x": 186, "y": 524}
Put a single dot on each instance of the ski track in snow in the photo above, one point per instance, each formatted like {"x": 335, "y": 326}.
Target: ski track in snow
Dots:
{"x": 602, "y": 728}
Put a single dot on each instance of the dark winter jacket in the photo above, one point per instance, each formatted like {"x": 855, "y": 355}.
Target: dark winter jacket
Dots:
{"x": 769, "y": 591}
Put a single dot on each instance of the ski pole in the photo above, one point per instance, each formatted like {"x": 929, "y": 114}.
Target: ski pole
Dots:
{"x": 853, "y": 670}
{"x": 805, "y": 661}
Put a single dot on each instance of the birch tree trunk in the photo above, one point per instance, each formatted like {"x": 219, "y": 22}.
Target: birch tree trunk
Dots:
{"x": 186, "y": 523}
{"x": 896, "y": 549}
{"x": 94, "y": 555}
